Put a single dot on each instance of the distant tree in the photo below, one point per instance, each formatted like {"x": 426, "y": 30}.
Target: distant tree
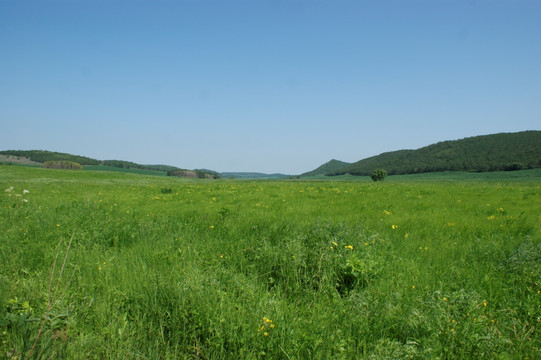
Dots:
{"x": 378, "y": 174}
{"x": 63, "y": 164}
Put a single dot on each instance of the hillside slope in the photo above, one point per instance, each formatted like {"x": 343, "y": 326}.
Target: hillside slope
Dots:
{"x": 504, "y": 151}
{"x": 41, "y": 156}
{"x": 327, "y": 168}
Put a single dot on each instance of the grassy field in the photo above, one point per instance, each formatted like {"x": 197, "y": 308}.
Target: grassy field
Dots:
{"x": 168, "y": 268}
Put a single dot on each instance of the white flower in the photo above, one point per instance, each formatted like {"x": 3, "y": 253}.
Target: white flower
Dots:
{"x": 25, "y": 200}
{"x": 26, "y": 192}
{"x": 10, "y": 189}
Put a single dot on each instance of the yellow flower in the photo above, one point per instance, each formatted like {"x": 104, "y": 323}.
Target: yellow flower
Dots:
{"x": 265, "y": 334}
{"x": 387, "y": 212}
{"x": 485, "y": 303}
{"x": 394, "y": 227}
{"x": 406, "y": 235}
{"x": 444, "y": 299}
{"x": 349, "y": 247}
{"x": 211, "y": 226}
{"x": 413, "y": 286}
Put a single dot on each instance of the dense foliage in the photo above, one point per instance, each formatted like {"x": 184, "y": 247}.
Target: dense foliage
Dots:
{"x": 506, "y": 151}
{"x": 68, "y": 165}
{"x": 378, "y": 175}
{"x": 171, "y": 268}
{"x": 328, "y": 167}
{"x": 194, "y": 174}
{"x": 43, "y": 156}
{"x": 131, "y": 165}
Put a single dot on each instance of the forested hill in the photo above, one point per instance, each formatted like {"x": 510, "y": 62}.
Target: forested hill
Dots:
{"x": 42, "y": 156}
{"x": 504, "y": 151}
{"x": 328, "y": 167}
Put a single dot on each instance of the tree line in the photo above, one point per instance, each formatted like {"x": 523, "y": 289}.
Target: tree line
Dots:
{"x": 497, "y": 152}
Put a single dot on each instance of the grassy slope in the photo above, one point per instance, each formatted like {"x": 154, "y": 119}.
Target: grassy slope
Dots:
{"x": 125, "y": 170}
{"x": 435, "y": 269}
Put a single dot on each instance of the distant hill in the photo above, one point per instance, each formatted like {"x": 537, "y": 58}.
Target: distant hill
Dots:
{"x": 130, "y": 165}
{"x": 504, "y": 151}
{"x": 194, "y": 174}
{"x": 42, "y": 156}
{"x": 327, "y": 168}
{"x": 252, "y": 175}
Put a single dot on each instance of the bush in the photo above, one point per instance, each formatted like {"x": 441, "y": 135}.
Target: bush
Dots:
{"x": 378, "y": 175}
{"x": 70, "y": 165}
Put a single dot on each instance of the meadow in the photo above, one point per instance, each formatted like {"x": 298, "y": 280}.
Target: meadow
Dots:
{"x": 99, "y": 265}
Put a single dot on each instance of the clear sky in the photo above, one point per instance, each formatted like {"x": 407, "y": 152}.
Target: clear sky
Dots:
{"x": 261, "y": 85}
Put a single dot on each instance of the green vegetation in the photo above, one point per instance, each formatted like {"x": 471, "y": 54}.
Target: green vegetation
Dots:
{"x": 252, "y": 175}
{"x": 131, "y": 165}
{"x": 418, "y": 266}
{"x": 42, "y": 156}
{"x": 68, "y": 165}
{"x": 194, "y": 174}
{"x": 125, "y": 170}
{"x": 497, "y": 152}
{"x": 378, "y": 175}
{"x": 329, "y": 167}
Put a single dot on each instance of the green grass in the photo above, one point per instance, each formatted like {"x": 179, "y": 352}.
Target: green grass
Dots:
{"x": 125, "y": 170}
{"x": 163, "y": 267}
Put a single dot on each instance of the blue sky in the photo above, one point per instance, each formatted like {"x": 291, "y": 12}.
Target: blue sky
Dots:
{"x": 268, "y": 86}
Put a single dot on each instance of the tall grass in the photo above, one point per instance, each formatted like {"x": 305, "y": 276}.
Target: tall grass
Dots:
{"x": 291, "y": 270}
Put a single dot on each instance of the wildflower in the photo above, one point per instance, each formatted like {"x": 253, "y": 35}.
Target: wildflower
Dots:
{"x": 334, "y": 243}
{"x": 267, "y": 324}
{"x": 485, "y": 303}
{"x": 394, "y": 227}
{"x": 350, "y": 247}
{"x": 444, "y": 299}
{"x": 490, "y": 218}
{"x": 211, "y": 226}
{"x": 387, "y": 212}
{"x": 406, "y": 235}
{"x": 413, "y": 286}
{"x": 10, "y": 189}
{"x": 28, "y": 192}
{"x": 25, "y": 200}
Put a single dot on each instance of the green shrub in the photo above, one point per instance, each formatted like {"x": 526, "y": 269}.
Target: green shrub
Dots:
{"x": 63, "y": 164}
{"x": 378, "y": 174}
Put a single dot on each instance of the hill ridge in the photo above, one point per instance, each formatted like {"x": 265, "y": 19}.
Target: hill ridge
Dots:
{"x": 493, "y": 152}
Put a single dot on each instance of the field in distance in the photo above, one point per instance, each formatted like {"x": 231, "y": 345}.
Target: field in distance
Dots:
{"x": 165, "y": 267}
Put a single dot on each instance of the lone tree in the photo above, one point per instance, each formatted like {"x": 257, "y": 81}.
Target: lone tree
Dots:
{"x": 378, "y": 174}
